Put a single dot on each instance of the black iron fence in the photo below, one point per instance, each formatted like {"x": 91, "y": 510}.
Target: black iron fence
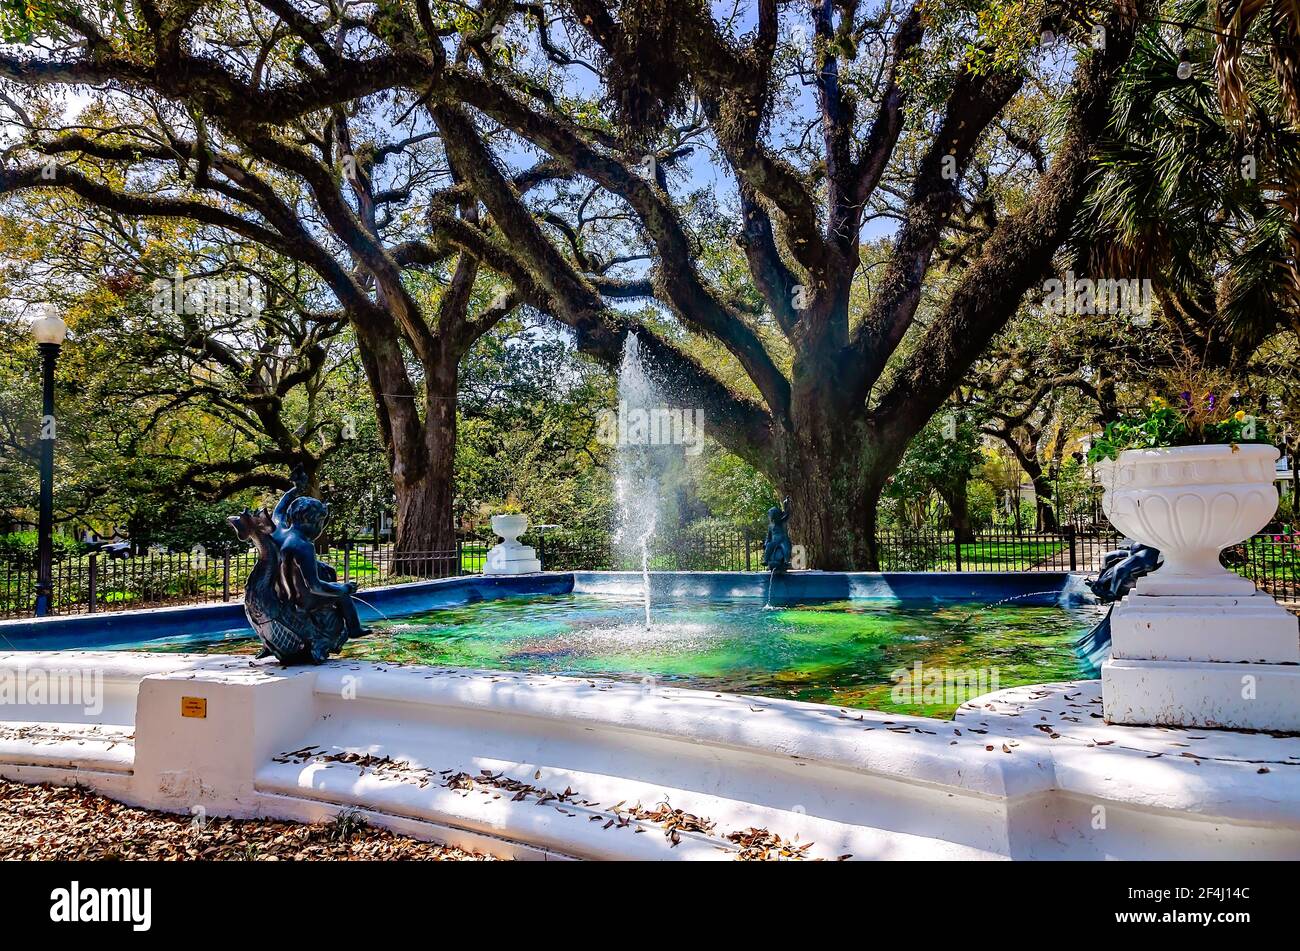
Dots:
{"x": 96, "y": 582}
{"x": 997, "y": 549}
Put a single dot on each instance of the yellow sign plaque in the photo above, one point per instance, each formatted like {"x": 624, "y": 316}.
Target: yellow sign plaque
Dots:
{"x": 194, "y": 707}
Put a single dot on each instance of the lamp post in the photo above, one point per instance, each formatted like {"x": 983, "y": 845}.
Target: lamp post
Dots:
{"x": 49, "y": 332}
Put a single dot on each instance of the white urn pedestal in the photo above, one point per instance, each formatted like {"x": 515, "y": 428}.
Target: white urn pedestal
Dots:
{"x": 510, "y": 557}
{"x": 1195, "y": 645}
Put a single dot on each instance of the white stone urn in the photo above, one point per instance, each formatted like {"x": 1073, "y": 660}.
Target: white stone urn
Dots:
{"x": 1194, "y": 645}
{"x": 510, "y": 557}
{"x": 510, "y": 527}
{"x": 1191, "y": 502}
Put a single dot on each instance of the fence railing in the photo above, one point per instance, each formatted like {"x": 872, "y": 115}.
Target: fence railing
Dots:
{"x": 96, "y": 582}
{"x": 1071, "y": 549}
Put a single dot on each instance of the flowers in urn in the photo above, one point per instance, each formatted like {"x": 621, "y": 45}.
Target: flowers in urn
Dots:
{"x": 1189, "y": 476}
{"x": 1191, "y": 419}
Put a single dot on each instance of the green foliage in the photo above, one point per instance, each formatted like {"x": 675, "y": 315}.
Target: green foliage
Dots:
{"x": 939, "y": 459}
{"x": 733, "y": 490}
{"x": 347, "y": 825}
{"x": 1285, "y": 509}
{"x": 203, "y": 524}
{"x": 981, "y": 501}
{"x": 527, "y": 428}
{"x": 1164, "y": 425}
{"x": 1190, "y": 197}
{"x": 19, "y": 548}
{"x": 21, "y": 20}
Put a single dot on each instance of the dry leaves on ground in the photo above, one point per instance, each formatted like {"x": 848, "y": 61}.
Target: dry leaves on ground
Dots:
{"x": 56, "y": 822}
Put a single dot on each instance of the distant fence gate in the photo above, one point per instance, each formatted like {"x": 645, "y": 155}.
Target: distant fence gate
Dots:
{"x": 95, "y": 582}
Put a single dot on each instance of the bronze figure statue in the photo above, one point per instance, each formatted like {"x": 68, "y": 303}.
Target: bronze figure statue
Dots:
{"x": 777, "y": 549}
{"x": 296, "y": 604}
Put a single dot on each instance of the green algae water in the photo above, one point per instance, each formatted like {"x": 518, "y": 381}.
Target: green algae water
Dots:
{"x": 848, "y": 653}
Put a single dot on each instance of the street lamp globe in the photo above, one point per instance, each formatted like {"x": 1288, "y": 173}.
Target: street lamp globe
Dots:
{"x": 50, "y": 328}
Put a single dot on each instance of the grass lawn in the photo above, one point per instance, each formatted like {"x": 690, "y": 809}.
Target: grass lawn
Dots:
{"x": 975, "y": 556}
{"x": 1267, "y": 561}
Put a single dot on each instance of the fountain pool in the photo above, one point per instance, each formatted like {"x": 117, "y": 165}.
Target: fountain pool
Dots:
{"x": 845, "y": 652}
{"x": 582, "y": 704}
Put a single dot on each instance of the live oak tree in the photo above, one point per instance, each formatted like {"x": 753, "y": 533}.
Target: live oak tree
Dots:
{"x": 209, "y": 351}
{"x": 274, "y": 121}
{"x": 186, "y": 125}
{"x": 821, "y": 415}
{"x": 1048, "y": 379}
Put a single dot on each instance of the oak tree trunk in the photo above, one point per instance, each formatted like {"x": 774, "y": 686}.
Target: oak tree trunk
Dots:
{"x": 421, "y": 452}
{"x": 1045, "y": 510}
{"x": 425, "y": 483}
{"x": 834, "y": 466}
{"x": 959, "y": 510}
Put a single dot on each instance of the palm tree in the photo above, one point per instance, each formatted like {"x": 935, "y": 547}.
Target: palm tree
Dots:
{"x": 1273, "y": 27}
{"x": 1198, "y": 201}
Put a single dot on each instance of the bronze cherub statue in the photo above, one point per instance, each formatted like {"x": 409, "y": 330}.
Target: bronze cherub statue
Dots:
{"x": 297, "y": 606}
{"x": 777, "y": 548}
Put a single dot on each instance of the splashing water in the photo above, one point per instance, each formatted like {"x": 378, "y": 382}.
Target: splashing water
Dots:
{"x": 639, "y": 467}
{"x": 373, "y": 608}
{"x": 644, "y": 541}
{"x": 974, "y": 613}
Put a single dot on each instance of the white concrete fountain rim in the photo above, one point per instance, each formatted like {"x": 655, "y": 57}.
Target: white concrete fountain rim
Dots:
{"x": 821, "y": 770}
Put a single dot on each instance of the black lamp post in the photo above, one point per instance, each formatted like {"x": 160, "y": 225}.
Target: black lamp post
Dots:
{"x": 49, "y": 332}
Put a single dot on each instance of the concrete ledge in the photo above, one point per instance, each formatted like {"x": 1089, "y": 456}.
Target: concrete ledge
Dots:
{"x": 597, "y": 769}
{"x": 105, "y": 748}
{"x": 1211, "y": 695}
{"x": 1251, "y": 779}
{"x": 297, "y": 809}
{"x": 888, "y": 744}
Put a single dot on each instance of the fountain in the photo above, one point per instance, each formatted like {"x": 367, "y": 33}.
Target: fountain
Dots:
{"x": 777, "y": 548}
{"x": 642, "y": 466}
{"x": 295, "y": 603}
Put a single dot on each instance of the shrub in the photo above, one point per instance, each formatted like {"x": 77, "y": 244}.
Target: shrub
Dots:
{"x": 981, "y": 501}
{"x": 19, "y": 548}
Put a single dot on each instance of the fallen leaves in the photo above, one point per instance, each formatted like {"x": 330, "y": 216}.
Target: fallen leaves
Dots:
{"x": 674, "y": 821}
{"x": 70, "y": 823}
{"x": 761, "y": 845}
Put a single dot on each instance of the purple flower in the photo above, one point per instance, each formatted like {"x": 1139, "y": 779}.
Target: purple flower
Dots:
{"x": 1186, "y": 397}
{"x": 1212, "y": 399}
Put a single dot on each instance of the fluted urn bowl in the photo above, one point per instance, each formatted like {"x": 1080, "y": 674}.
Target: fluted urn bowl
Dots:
{"x": 510, "y": 527}
{"x": 1191, "y": 502}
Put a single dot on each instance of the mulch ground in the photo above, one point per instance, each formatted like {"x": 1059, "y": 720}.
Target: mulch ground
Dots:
{"x": 56, "y": 822}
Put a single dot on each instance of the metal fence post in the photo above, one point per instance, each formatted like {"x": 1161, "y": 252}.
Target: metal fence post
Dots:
{"x": 92, "y": 588}
{"x": 745, "y": 541}
{"x": 1071, "y": 534}
{"x": 956, "y": 547}
{"x": 541, "y": 549}
{"x": 225, "y": 577}
{"x": 347, "y": 557}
